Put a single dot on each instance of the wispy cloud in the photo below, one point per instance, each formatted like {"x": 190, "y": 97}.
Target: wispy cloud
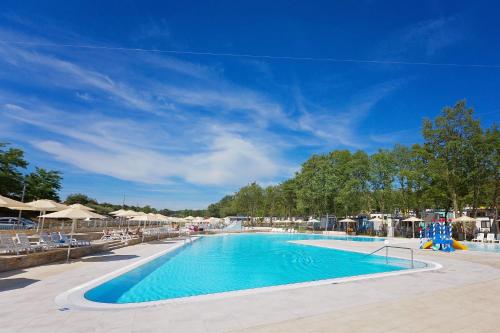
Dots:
{"x": 338, "y": 125}
{"x": 427, "y": 38}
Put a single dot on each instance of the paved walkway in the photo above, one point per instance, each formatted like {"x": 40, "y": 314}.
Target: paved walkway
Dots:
{"x": 463, "y": 295}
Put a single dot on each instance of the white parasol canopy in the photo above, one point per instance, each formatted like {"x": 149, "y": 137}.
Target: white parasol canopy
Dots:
{"x": 80, "y": 206}
{"x": 117, "y": 211}
{"x": 347, "y": 221}
{"x": 10, "y": 203}
{"x": 73, "y": 214}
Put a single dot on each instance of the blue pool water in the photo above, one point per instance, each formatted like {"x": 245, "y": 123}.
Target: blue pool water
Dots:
{"x": 235, "y": 262}
{"x": 484, "y": 247}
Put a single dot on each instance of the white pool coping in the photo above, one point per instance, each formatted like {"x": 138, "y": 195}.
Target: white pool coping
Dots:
{"x": 74, "y": 298}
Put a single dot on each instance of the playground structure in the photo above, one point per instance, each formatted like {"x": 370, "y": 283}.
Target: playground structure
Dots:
{"x": 438, "y": 237}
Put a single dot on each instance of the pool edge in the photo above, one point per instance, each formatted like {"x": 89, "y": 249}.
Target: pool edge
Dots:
{"x": 74, "y": 297}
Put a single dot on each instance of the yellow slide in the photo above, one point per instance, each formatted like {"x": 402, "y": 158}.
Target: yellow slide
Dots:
{"x": 427, "y": 245}
{"x": 458, "y": 245}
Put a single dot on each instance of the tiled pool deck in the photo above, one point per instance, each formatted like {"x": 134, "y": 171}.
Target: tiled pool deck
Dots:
{"x": 463, "y": 296}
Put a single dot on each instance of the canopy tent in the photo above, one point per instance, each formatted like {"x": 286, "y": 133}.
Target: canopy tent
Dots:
{"x": 74, "y": 214}
{"x": 80, "y": 206}
{"x": 413, "y": 219}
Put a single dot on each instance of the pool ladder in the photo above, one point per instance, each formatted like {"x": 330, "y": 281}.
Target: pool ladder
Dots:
{"x": 386, "y": 247}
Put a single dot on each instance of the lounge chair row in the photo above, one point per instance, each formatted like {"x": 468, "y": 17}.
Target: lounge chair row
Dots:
{"x": 122, "y": 235}
{"x": 21, "y": 243}
{"x": 490, "y": 238}
{"x": 292, "y": 231}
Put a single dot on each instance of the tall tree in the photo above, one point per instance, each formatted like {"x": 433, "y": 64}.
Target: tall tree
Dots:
{"x": 43, "y": 184}
{"x": 448, "y": 141}
{"x": 11, "y": 163}
{"x": 382, "y": 173}
{"x": 249, "y": 200}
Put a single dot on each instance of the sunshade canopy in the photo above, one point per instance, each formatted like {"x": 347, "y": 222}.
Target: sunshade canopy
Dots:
{"x": 145, "y": 217}
{"x": 117, "y": 211}
{"x": 46, "y": 205}
{"x": 129, "y": 213}
{"x": 413, "y": 219}
{"x": 74, "y": 214}
{"x": 80, "y": 206}
{"x": 464, "y": 219}
{"x": 9, "y": 203}
{"x": 347, "y": 221}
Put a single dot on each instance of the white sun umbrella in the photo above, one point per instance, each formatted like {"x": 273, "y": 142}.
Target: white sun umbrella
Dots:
{"x": 8, "y": 202}
{"x": 413, "y": 219}
{"x": 80, "y": 206}
{"x": 376, "y": 221}
{"x": 44, "y": 206}
{"x": 464, "y": 219}
{"x": 117, "y": 211}
{"x": 189, "y": 218}
{"x": 144, "y": 218}
{"x": 14, "y": 205}
{"x": 74, "y": 214}
{"x": 198, "y": 220}
{"x": 347, "y": 220}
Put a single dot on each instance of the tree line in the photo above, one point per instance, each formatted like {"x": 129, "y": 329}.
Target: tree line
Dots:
{"x": 14, "y": 177}
{"x": 456, "y": 166}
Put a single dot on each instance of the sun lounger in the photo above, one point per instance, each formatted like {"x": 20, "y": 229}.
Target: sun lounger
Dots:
{"x": 8, "y": 245}
{"x": 479, "y": 237}
{"x": 490, "y": 238}
{"x": 106, "y": 235}
{"x": 25, "y": 244}
{"x": 66, "y": 240}
{"x": 46, "y": 242}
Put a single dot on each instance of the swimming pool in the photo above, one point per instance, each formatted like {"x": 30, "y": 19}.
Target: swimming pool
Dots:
{"x": 483, "y": 247}
{"x": 225, "y": 263}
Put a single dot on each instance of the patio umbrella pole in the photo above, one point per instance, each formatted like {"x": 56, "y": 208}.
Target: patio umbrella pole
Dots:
{"x": 70, "y": 237}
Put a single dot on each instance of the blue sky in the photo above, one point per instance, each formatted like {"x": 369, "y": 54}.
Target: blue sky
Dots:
{"x": 177, "y": 130}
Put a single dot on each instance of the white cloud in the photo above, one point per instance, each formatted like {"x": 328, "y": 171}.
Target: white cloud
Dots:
{"x": 338, "y": 126}
{"x": 124, "y": 150}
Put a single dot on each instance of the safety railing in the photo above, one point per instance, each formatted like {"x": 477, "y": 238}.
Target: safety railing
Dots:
{"x": 386, "y": 247}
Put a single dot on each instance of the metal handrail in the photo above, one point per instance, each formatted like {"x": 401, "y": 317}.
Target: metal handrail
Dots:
{"x": 386, "y": 247}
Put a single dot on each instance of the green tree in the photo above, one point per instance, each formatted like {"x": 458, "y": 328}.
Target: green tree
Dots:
{"x": 449, "y": 142}
{"x": 249, "y": 200}
{"x": 287, "y": 192}
{"x": 43, "y": 184}
{"x": 80, "y": 198}
{"x": 382, "y": 173}
{"x": 11, "y": 178}
{"x": 354, "y": 191}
